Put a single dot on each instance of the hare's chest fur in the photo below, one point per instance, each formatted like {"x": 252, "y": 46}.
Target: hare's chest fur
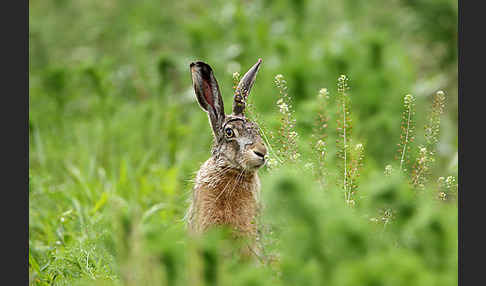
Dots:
{"x": 225, "y": 197}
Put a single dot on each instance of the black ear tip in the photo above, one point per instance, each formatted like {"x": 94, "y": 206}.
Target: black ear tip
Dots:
{"x": 197, "y": 64}
{"x": 258, "y": 63}
{"x": 202, "y": 66}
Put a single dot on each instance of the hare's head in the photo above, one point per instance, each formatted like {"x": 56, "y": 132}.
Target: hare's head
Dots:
{"x": 237, "y": 140}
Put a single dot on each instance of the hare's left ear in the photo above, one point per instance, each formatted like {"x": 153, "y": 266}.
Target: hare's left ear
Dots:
{"x": 208, "y": 95}
{"x": 243, "y": 89}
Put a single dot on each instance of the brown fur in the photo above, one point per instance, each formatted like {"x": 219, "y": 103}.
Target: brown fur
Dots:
{"x": 224, "y": 196}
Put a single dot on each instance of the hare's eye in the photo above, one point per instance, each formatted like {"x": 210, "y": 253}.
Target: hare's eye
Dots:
{"x": 229, "y": 132}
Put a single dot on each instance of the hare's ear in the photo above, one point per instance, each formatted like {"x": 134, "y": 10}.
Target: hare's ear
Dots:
{"x": 243, "y": 89}
{"x": 208, "y": 94}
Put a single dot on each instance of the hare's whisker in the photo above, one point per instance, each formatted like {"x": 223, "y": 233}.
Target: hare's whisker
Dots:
{"x": 224, "y": 189}
{"x": 240, "y": 176}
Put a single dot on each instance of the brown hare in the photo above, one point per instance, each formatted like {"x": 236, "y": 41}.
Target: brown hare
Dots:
{"x": 226, "y": 190}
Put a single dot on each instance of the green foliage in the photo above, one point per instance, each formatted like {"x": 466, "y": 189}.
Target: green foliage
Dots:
{"x": 115, "y": 138}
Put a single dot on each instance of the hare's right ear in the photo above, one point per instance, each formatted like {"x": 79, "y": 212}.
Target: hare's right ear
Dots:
{"x": 208, "y": 95}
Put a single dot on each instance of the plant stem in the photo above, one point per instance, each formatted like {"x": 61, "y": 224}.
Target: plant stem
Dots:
{"x": 406, "y": 140}
{"x": 344, "y": 147}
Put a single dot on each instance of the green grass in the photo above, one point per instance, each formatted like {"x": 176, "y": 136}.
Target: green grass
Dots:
{"x": 116, "y": 137}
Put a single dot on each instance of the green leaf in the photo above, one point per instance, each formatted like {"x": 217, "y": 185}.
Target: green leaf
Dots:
{"x": 33, "y": 263}
{"x": 100, "y": 203}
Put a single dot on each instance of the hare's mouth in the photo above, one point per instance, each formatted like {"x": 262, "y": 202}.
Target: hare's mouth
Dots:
{"x": 255, "y": 160}
{"x": 250, "y": 161}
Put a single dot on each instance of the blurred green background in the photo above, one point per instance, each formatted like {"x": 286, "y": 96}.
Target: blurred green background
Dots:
{"x": 116, "y": 137}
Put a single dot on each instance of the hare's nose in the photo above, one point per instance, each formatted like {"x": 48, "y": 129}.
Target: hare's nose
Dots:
{"x": 260, "y": 150}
